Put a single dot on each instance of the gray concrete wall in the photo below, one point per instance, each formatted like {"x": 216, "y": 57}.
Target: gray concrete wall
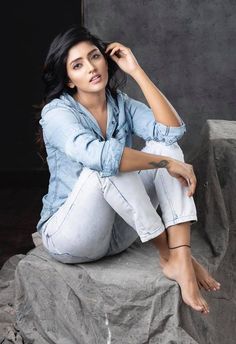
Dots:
{"x": 186, "y": 47}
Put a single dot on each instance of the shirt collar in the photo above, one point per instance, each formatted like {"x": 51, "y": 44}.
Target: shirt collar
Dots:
{"x": 112, "y": 110}
{"x": 71, "y": 101}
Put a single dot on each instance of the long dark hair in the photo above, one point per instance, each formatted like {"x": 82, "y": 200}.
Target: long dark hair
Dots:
{"x": 54, "y": 74}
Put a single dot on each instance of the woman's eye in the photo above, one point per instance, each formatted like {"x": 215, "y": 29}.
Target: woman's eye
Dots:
{"x": 77, "y": 65}
{"x": 96, "y": 55}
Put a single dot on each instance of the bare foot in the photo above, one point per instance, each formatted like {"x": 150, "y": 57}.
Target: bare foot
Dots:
{"x": 180, "y": 269}
{"x": 204, "y": 279}
{"x": 163, "y": 261}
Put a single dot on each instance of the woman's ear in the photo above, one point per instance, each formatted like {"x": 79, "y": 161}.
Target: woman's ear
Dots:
{"x": 70, "y": 84}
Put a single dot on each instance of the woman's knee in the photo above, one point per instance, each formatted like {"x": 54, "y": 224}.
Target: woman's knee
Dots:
{"x": 160, "y": 148}
{"x": 174, "y": 151}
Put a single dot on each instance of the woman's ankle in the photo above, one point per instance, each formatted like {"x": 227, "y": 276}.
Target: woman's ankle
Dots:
{"x": 161, "y": 244}
{"x": 180, "y": 253}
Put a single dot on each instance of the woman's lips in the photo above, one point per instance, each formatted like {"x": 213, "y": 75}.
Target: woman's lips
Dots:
{"x": 96, "y": 80}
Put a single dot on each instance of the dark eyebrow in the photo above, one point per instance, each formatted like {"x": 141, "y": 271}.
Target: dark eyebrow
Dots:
{"x": 80, "y": 58}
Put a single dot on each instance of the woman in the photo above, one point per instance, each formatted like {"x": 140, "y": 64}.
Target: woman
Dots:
{"x": 102, "y": 193}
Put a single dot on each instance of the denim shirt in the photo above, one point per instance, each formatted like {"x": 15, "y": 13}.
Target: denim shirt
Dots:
{"x": 73, "y": 139}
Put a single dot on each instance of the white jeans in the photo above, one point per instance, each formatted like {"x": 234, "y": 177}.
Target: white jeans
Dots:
{"x": 104, "y": 216}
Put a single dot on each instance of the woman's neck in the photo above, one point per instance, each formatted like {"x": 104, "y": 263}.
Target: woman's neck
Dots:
{"x": 94, "y": 102}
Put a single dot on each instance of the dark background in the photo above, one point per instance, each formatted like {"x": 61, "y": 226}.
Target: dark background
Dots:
{"x": 32, "y": 26}
{"x": 27, "y": 33}
{"x": 186, "y": 47}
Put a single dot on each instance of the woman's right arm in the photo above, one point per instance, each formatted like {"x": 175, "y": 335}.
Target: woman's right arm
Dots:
{"x": 134, "y": 160}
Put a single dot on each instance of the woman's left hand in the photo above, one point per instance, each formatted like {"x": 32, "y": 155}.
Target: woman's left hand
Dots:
{"x": 123, "y": 56}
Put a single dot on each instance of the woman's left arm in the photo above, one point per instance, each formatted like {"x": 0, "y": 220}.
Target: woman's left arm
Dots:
{"x": 162, "y": 110}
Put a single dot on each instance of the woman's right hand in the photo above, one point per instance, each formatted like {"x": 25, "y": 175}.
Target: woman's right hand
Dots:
{"x": 123, "y": 56}
{"x": 184, "y": 173}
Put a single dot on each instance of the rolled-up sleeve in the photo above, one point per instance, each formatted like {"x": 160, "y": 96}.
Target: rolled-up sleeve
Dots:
{"x": 111, "y": 154}
{"x": 63, "y": 131}
{"x": 145, "y": 126}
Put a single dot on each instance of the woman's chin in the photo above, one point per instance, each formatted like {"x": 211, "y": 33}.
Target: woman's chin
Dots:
{"x": 98, "y": 87}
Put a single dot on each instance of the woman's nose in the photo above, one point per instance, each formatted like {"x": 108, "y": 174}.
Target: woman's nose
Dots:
{"x": 91, "y": 67}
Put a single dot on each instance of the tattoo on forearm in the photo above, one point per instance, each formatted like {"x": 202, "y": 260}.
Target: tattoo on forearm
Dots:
{"x": 161, "y": 164}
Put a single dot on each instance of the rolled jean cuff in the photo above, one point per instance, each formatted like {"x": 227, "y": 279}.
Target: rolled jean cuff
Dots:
{"x": 187, "y": 218}
{"x": 152, "y": 234}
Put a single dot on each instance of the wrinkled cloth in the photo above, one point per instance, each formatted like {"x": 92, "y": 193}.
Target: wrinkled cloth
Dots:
{"x": 9, "y": 333}
{"x": 126, "y": 299}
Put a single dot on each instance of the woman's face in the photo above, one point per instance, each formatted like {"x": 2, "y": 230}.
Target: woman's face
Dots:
{"x": 83, "y": 63}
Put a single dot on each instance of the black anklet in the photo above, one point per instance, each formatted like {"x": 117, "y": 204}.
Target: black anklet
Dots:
{"x": 171, "y": 248}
